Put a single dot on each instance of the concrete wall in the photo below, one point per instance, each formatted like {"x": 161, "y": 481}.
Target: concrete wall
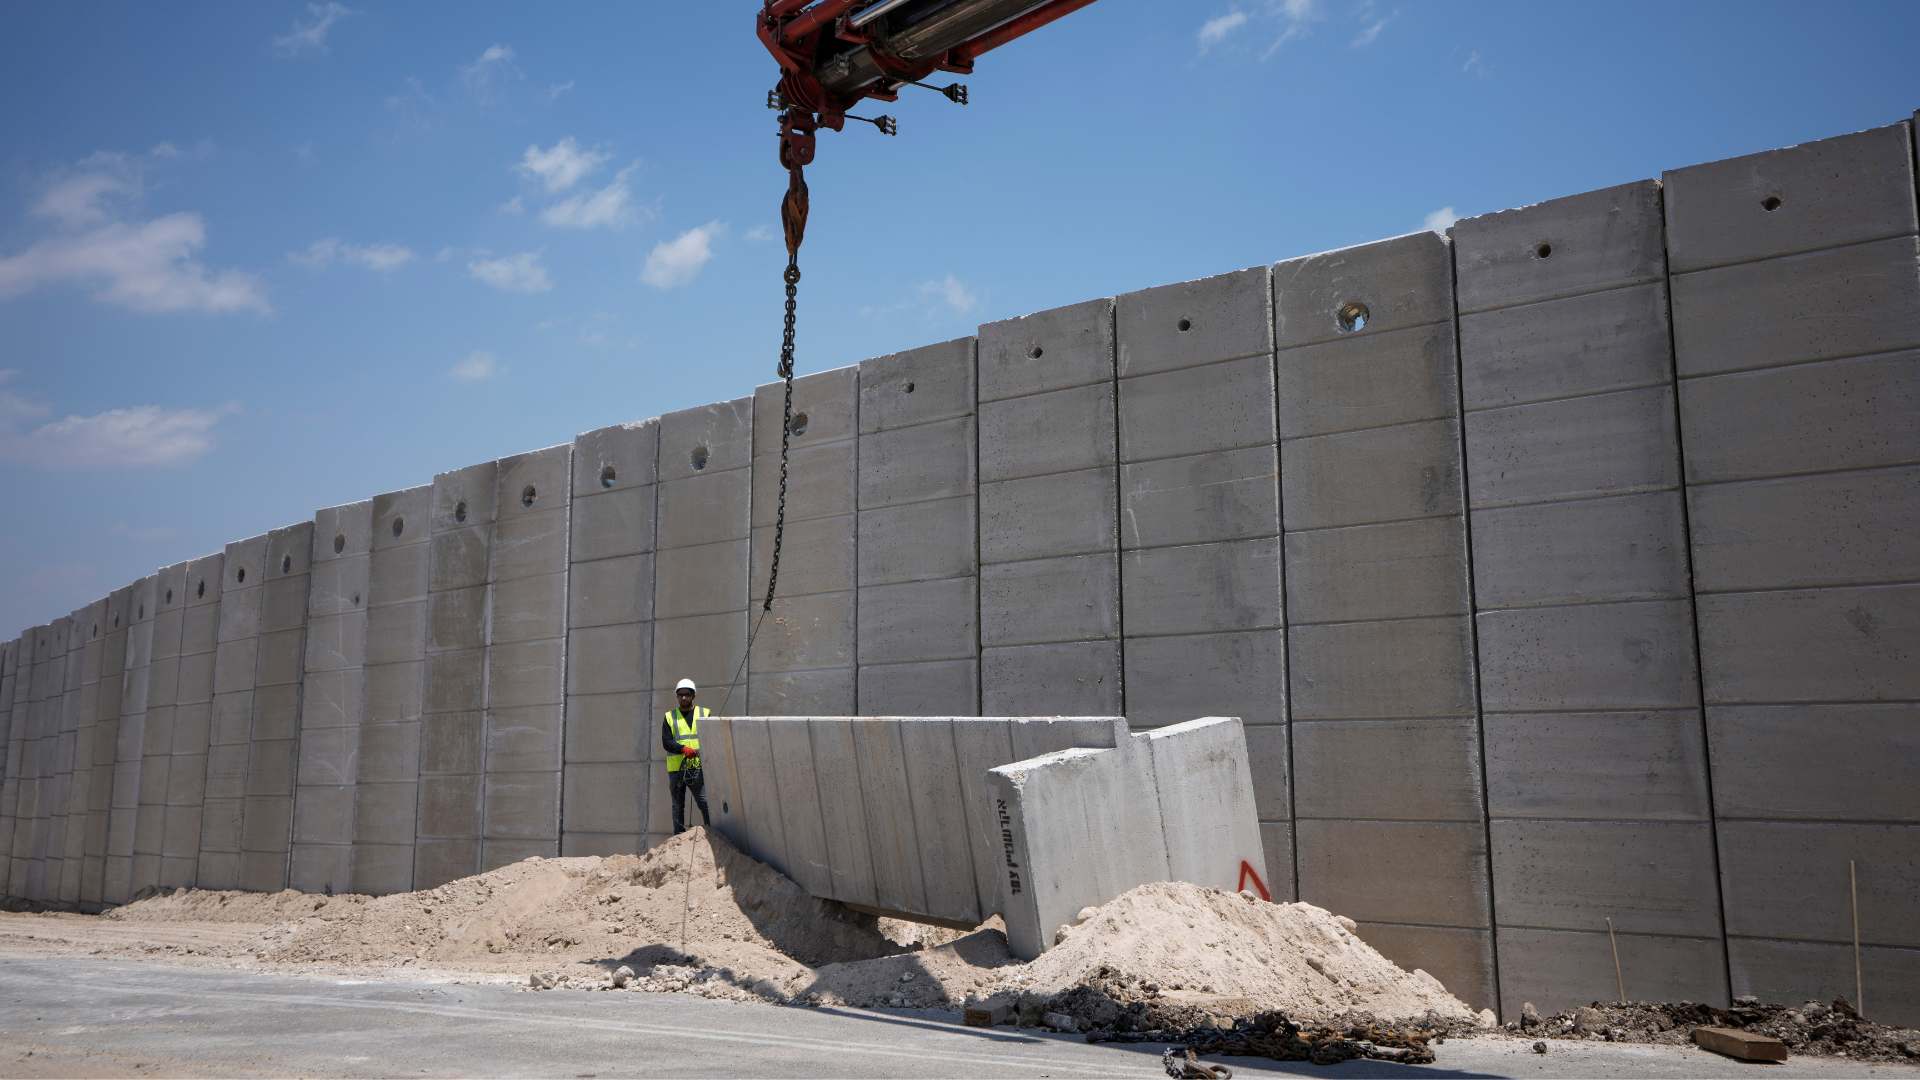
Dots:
{"x": 526, "y": 658}
{"x": 1582, "y": 602}
{"x": 1050, "y": 608}
{"x": 387, "y": 786}
{"x": 610, "y": 728}
{"x": 332, "y": 699}
{"x": 1561, "y": 570}
{"x": 918, "y": 548}
{"x": 116, "y": 614}
{"x": 1386, "y": 736}
{"x": 9, "y": 751}
{"x": 803, "y": 657}
{"x": 1801, "y": 433}
{"x": 890, "y": 814}
{"x": 129, "y": 755}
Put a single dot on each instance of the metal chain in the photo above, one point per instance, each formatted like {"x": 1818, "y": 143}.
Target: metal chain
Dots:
{"x": 792, "y": 278}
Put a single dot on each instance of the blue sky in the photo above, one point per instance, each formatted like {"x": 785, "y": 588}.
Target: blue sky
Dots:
{"x": 258, "y": 258}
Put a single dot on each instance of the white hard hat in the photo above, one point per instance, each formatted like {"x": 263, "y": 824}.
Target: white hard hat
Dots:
{"x": 685, "y": 684}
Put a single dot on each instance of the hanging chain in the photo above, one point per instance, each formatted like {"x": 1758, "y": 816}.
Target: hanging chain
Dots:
{"x": 792, "y": 278}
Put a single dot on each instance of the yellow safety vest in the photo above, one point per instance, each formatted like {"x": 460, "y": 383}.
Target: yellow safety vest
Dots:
{"x": 686, "y": 732}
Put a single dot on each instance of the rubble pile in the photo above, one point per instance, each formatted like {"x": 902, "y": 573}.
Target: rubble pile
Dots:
{"x": 1814, "y": 1028}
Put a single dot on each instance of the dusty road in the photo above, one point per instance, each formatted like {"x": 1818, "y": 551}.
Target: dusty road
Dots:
{"x": 84, "y": 996}
{"x": 85, "y": 1016}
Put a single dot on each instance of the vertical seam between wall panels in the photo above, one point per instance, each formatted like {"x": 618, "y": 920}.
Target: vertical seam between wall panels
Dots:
{"x": 979, "y": 524}
{"x": 566, "y": 658}
{"x": 299, "y": 703}
{"x": 1693, "y": 605}
{"x": 853, "y": 589}
{"x": 1473, "y": 615}
{"x": 1119, "y": 559}
{"x": 653, "y": 643}
{"x": 1286, "y": 631}
{"x": 486, "y": 673}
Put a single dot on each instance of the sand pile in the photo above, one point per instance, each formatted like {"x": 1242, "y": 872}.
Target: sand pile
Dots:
{"x": 696, "y": 897}
{"x": 1172, "y": 941}
{"x": 695, "y": 915}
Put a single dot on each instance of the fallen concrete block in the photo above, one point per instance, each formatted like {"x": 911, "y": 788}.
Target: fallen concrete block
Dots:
{"x": 986, "y": 1015}
{"x": 1744, "y": 1045}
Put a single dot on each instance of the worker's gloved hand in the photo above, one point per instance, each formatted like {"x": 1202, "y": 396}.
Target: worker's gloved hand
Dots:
{"x": 691, "y": 752}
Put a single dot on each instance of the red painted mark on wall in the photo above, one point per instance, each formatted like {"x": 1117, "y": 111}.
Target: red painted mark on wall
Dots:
{"x": 1247, "y": 871}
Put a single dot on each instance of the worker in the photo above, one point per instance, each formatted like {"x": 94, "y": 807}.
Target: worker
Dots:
{"x": 680, "y": 737}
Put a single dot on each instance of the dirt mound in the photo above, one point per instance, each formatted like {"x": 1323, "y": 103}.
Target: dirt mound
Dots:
{"x": 695, "y": 898}
{"x": 696, "y": 915}
{"x": 210, "y": 905}
{"x": 1171, "y": 942}
{"x": 1813, "y": 1027}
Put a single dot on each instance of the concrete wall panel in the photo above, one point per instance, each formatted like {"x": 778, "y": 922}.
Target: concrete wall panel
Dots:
{"x": 610, "y": 739}
{"x": 1047, "y": 406}
{"x": 803, "y": 659}
{"x": 387, "y": 789}
{"x": 704, "y": 497}
{"x": 1582, "y": 580}
{"x": 1371, "y": 495}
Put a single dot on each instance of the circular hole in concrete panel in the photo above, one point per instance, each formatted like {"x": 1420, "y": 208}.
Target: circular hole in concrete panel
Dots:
{"x": 699, "y": 457}
{"x": 201, "y": 591}
{"x": 607, "y": 476}
{"x": 286, "y": 564}
{"x": 399, "y": 525}
{"x": 1352, "y": 315}
{"x": 528, "y": 495}
{"x": 239, "y": 575}
{"x": 356, "y": 599}
{"x": 909, "y": 388}
{"x": 339, "y": 543}
{"x": 1035, "y": 353}
{"x": 1185, "y": 325}
{"x": 143, "y": 612}
{"x": 96, "y": 630}
{"x": 1543, "y": 250}
{"x": 116, "y": 622}
{"x": 798, "y": 425}
{"x": 169, "y": 596}
{"x": 460, "y": 511}
{"x": 1770, "y": 203}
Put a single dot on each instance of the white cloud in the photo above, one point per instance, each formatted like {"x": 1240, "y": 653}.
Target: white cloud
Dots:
{"x": 477, "y": 366}
{"x": 1473, "y": 66}
{"x": 1216, "y": 29}
{"x": 611, "y": 207}
{"x": 678, "y": 261}
{"x": 759, "y": 234}
{"x": 1371, "y": 32}
{"x": 141, "y": 436}
{"x": 494, "y": 67}
{"x": 561, "y": 165}
{"x": 950, "y": 291}
{"x": 312, "y": 34}
{"x": 1440, "y": 220}
{"x": 81, "y": 199}
{"x": 383, "y": 258}
{"x": 554, "y": 91}
{"x": 414, "y": 108}
{"x": 147, "y": 266}
{"x": 1296, "y": 17}
{"x": 522, "y": 273}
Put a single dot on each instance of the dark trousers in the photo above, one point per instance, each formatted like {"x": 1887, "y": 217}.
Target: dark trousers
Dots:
{"x": 681, "y": 782}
